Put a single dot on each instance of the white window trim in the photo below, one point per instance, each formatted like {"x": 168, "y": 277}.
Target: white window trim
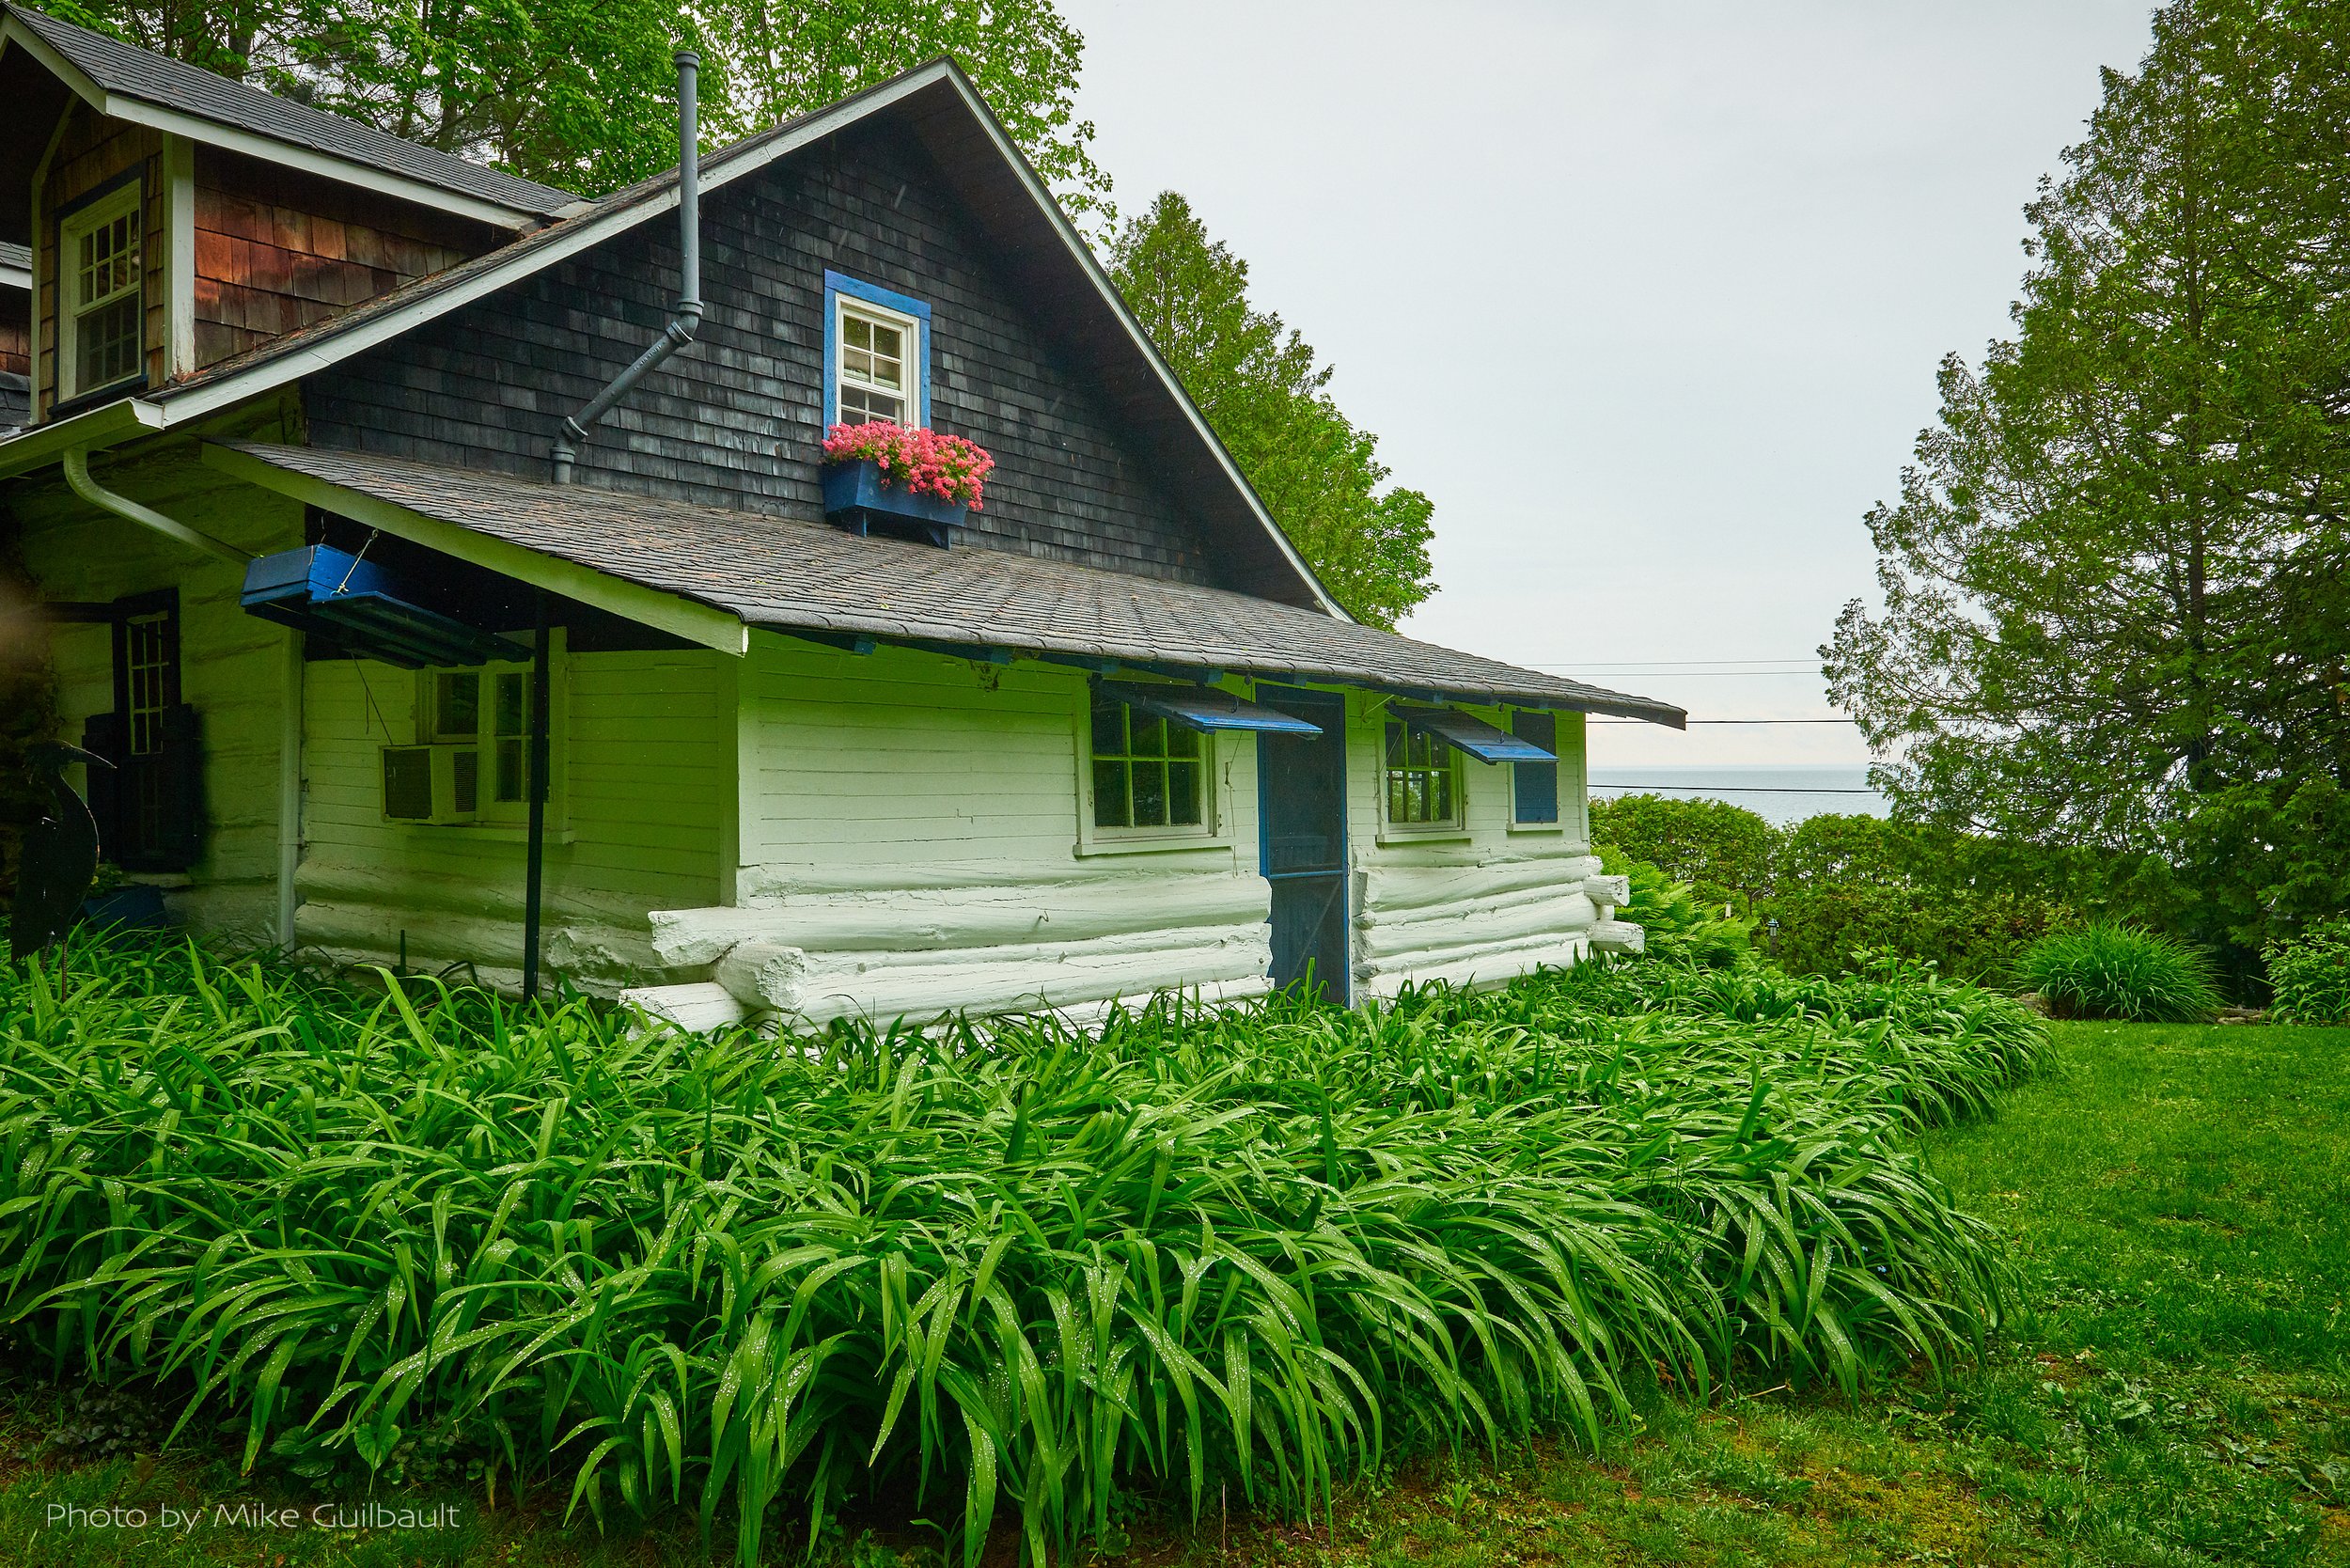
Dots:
{"x": 846, "y": 305}
{"x": 1214, "y": 828}
{"x": 494, "y": 818}
{"x": 129, "y": 201}
{"x": 1390, "y": 831}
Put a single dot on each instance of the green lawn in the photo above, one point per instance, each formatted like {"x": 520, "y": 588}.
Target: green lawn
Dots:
{"x": 2179, "y": 1200}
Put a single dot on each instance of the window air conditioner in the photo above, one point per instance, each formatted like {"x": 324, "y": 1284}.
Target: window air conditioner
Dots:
{"x": 431, "y": 783}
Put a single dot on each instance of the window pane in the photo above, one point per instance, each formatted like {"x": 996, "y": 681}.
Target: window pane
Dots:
{"x": 106, "y": 343}
{"x": 1109, "y": 727}
{"x": 1150, "y": 794}
{"x": 512, "y": 770}
{"x": 885, "y": 343}
{"x": 514, "y": 703}
{"x": 1182, "y": 793}
{"x": 466, "y": 782}
{"x": 856, "y": 332}
{"x": 1395, "y": 798}
{"x": 1395, "y": 745}
{"x": 1150, "y": 732}
{"x": 1181, "y": 741}
{"x": 1109, "y": 795}
{"x": 1440, "y": 795}
{"x": 857, "y": 362}
{"x": 457, "y": 705}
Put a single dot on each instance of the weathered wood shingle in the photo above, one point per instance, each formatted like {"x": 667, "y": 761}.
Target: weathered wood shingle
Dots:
{"x": 736, "y": 420}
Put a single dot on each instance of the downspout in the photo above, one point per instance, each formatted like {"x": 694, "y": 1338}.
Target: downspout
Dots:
{"x": 676, "y": 334}
{"x": 76, "y": 463}
{"x": 682, "y": 325}
{"x": 535, "y": 864}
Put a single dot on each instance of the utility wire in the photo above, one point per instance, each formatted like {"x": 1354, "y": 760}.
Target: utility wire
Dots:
{"x": 1732, "y": 721}
{"x": 1735, "y": 788}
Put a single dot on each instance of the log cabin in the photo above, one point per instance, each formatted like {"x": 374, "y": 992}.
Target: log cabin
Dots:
{"x": 451, "y": 570}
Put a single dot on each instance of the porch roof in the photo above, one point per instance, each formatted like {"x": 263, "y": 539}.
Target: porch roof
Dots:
{"x": 801, "y": 576}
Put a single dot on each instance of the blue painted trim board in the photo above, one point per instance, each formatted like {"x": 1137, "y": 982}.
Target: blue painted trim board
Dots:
{"x": 838, "y": 284}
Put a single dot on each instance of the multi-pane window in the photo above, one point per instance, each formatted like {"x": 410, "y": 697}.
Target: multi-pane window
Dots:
{"x": 483, "y": 712}
{"x": 151, "y": 667}
{"x": 104, "y": 312}
{"x": 1421, "y": 785}
{"x": 1146, "y": 773}
{"x": 877, "y": 367}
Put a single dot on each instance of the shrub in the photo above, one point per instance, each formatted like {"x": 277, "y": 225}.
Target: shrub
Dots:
{"x": 2109, "y": 971}
{"x": 2309, "y": 977}
{"x": 1723, "y": 851}
{"x": 1266, "y": 1243}
{"x": 1967, "y": 935}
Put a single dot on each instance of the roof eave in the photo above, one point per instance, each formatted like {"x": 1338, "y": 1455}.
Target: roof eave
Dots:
{"x": 236, "y": 139}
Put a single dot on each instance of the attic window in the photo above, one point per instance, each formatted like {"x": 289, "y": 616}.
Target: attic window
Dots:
{"x": 104, "y": 320}
{"x": 876, "y": 354}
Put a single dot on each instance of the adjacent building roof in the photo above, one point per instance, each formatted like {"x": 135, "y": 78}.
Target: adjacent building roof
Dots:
{"x": 794, "y": 575}
{"x": 16, "y": 266}
{"x": 116, "y": 70}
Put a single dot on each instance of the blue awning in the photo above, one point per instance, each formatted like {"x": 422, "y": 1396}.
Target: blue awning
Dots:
{"x": 1471, "y": 734}
{"x": 1206, "y": 708}
{"x": 357, "y": 604}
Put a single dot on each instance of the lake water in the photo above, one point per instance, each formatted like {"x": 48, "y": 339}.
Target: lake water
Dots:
{"x": 1780, "y": 796}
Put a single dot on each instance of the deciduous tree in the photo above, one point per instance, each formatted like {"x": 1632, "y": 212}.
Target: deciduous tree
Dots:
{"x": 1263, "y": 390}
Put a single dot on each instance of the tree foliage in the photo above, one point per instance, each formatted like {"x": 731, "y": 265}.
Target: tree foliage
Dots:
{"x": 2116, "y": 610}
{"x": 1264, "y": 392}
{"x": 579, "y": 93}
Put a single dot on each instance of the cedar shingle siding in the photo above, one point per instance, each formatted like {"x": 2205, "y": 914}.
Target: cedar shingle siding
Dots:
{"x": 735, "y": 420}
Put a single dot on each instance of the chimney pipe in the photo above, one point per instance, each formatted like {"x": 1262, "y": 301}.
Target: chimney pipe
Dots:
{"x": 689, "y": 317}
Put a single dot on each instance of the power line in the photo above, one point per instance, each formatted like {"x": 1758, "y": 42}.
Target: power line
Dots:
{"x": 1737, "y": 789}
{"x": 1732, "y": 721}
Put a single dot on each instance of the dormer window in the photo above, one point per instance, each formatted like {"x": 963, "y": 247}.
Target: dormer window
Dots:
{"x": 102, "y": 336}
{"x": 876, "y": 355}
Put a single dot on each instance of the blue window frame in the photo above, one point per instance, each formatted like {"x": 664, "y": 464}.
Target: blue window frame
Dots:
{"x": 1534, "y": 786}
{"x": 882, "y": 339}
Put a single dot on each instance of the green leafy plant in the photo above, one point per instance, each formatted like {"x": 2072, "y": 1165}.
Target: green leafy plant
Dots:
{"x": 2310, "y": 975}
{"x": 423, "y": 1231}
{"x": 1673, "y": 924}
{"x": 1723, "y": 851}
{"x": 2113, "y": 971}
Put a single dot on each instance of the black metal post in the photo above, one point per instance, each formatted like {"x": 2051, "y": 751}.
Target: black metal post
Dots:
{"x": 534, "y": 876}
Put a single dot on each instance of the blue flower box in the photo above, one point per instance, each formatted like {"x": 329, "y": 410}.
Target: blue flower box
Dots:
{"x": 857, "y": 497}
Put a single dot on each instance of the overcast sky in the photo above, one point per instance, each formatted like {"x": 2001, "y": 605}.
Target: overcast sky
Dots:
{"x": 1647, "y": 297}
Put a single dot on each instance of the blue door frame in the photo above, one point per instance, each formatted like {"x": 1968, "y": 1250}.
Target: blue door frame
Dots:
{"x": 1301, "y": 842}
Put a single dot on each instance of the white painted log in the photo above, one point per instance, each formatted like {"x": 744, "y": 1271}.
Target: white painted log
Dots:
{"x": 1390, "y": 889}
{"x": 940, "y": 919}
{"x": 763, "y": 975}
{"x": 1619, "y": 936}
{"x": 1498, "y": 967}
{"x": 702, "y": 1006}
{"x": 1529, "y": 919}
{"x": 1020, "y": 980}
{"x": 1613, "y": 892}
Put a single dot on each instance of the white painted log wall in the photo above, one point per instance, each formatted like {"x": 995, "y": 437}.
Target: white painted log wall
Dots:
{"x": 911, "y": 846}
{"x": 1476, "y": 904}
{"x": 647, "y": 769}
{"x": 231, "y": 664}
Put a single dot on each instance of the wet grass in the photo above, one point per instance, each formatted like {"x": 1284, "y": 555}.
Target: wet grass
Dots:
{"x": 2177, "y": 1199}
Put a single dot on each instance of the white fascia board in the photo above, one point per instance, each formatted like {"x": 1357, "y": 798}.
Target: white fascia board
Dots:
{"x": 1082, "y": 254}
{"x": 16, "y": 277}
{"x": 99, "y": 426}
{"x": 139, "y": 111}
{"x": 580, "y": 235}
{"x": 683, "y": 617}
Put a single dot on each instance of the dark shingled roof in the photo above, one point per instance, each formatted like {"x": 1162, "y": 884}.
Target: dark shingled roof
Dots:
{"x": 141, "y": 73}
{"x": 795, "y": 575}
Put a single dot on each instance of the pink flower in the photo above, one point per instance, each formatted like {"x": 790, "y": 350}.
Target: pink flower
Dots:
{"x": 922, "y": 462}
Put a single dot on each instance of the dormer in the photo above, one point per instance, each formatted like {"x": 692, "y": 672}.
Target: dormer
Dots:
{"x": 172, "y": 218}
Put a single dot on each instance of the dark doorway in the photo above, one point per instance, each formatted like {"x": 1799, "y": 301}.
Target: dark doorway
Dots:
{"x": 150, "y": 816}
{"x": 1301, "y": 810}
